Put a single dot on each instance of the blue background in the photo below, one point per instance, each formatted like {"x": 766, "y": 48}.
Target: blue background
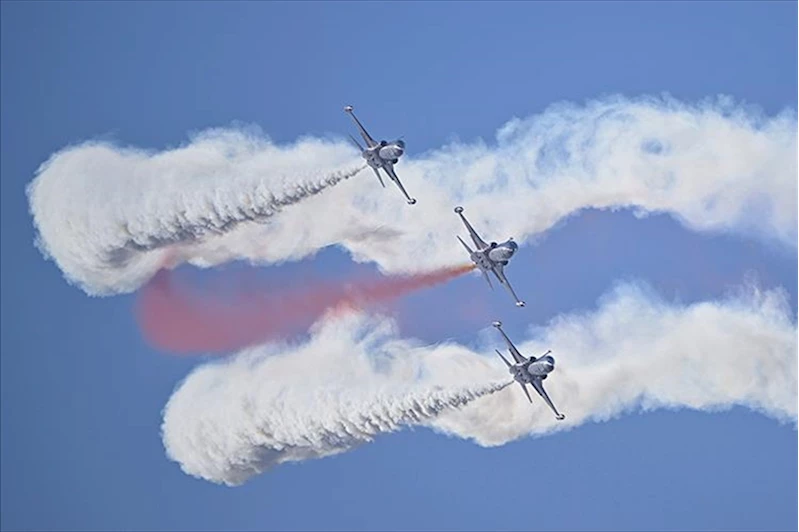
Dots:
{"x": 82, "y": 394}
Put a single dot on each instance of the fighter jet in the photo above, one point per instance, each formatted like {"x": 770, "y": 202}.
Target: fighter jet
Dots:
{"x": 530, "y": 371}
{"x": 380, "y": 154}
{"x": 490, "y": 257}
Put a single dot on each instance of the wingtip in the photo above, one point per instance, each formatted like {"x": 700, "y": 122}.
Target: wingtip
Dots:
{"x": 458, "y": 209}
{"x": 520, "y": 304}
{"x": 560, "y": 417}
{"x": 348, "y": 109}
{"x": 497, "y": 324}
{"x": 412, "y": 201}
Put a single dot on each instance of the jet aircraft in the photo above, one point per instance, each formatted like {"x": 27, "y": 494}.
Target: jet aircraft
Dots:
{"x": 529, "y": 371}
{"x": 490, "y": 257}
{"x": 380, "y": 154}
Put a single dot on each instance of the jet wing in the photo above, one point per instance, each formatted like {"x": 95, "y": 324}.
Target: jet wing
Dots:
{"x": 479, "y": 242}
{"x": 499, "y": 271}
{"x": 370, "y": 142}
{"x": 389, "y": 168}
{"x": 538, "y": 384}
{"x": 517, "y": 357}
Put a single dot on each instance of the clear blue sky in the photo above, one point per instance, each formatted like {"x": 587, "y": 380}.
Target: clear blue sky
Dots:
{"x": 82, "y": 394}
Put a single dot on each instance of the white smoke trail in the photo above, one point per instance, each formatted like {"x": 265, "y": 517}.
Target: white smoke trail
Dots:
{"x": 354, "y": 380}
{"x": 101, "y": 211}
{"x": 234, "y": 419}
{"x": 715, "y": 166}
{"x": 259, "y": 208}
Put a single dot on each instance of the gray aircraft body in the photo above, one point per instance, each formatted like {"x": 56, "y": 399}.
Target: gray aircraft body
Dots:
{"x": 380, "y": 155}
{"x": 491, "y": 257}
{"x": 531, "y": 370}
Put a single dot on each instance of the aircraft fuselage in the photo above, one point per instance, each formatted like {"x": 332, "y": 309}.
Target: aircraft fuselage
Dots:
{"x": 527, "y": 371}
{"x": 486, "y": 259}
{"x": 384, "y": 153}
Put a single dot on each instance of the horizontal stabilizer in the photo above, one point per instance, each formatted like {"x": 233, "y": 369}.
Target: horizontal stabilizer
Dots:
{"x": 379, "y": 178}
{"x": 527, "y": 393}
{"x": 357, "y": 144}
{"x": 505, "y": 360}
{"x": 465, "y": 246}
{"x": 488, "y": 279}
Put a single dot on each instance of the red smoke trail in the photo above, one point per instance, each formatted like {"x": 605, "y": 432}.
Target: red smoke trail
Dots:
{"x": 174, "y": 319}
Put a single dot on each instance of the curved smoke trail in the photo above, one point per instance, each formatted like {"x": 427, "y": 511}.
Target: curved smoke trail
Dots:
{"x": 294, "y": 432}
{"x": 107, "y": 215}
{"x": 715, "y": 166}
{"x": 355, "y": 379}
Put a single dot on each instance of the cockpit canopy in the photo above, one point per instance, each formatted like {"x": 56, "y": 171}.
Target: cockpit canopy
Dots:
{"x": 401, "y": 143}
